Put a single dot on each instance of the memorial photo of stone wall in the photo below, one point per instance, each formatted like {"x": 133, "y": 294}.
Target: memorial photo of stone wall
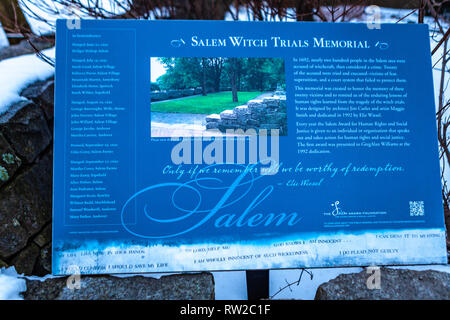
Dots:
{"x": 214, "y": 96}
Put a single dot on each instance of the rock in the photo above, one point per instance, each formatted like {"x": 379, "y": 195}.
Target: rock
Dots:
{"x": 26, "y": 129}
{"x": 241, "y": 110}
{"x": 232, "y": 127}
{"x": 283, "y": 102}
{"x": 9, "y": 162}
{"x": 213, "y": 118}
{"x": 256, "y": 105}
{"x": 228, "y": 114}
{"x": 272, "y": 102}
{"x": 44, "y": 237}
{"x": 45, "y": 258}
{"x": 24, "y": 48}
{"x": 198, "y": 286}
{"x": 26, "y": 259}
{"x": 212, "y": 125}
{"x": 25, "y": 206}
{"x": 282, "y": 116}
{"x": 43, "y": 265}
{"x": 396, "y": 284}
{"x": 33, "y": 91}
{"x": 42, "y": 93}
{"x": 277, "y": 118}
{"x": 252, "y": 122}
{"x": 3, "y": 264}
{"x": 257, "y": 109}
{"x": 13, "y": 236}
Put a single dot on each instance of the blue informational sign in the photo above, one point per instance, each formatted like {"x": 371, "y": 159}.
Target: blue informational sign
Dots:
{"x": 206, "y": 145}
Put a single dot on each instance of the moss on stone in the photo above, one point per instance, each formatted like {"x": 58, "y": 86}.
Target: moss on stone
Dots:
{"x": 3, "y": 174}
{"x": 8, "y": 158}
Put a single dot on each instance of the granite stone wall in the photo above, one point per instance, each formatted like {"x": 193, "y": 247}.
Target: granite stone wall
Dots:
{"x": 266, "y": 113}
{"x": 26, "y": 181}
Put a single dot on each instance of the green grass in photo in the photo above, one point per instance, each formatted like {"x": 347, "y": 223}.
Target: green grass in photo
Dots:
{"x": 212, "y": 103}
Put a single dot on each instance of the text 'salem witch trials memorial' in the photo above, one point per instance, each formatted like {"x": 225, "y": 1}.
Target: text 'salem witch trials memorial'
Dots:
{"x": 200, "y": 145}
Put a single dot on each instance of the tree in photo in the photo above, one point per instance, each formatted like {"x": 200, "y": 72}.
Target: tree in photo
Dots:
{"x": 222, "y": 74}
{"x": 232, "y": 66}
{"x": 216, "y": 66}
{"x": 182, "y": 73}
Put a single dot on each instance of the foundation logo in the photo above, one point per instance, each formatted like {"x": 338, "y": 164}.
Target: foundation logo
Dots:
{"x": 338, "y": 211}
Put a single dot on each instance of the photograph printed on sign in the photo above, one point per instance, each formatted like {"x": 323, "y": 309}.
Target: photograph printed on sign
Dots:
{"x": 216, "y": 96}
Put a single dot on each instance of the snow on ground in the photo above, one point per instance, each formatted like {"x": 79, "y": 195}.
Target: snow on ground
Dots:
{"x": 10, "y": 284}
{"x": 19, "y": 72}
{"x": 3, "y": 39}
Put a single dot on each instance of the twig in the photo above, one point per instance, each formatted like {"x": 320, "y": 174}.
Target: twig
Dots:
{"x": 444, "y": 38}
{"x": 290, "y": 284}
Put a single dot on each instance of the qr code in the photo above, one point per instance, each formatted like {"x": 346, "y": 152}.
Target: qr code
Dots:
{"x": 416, "y": 208}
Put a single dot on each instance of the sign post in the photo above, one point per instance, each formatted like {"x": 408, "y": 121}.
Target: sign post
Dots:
{"x": 257, "y": 284}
